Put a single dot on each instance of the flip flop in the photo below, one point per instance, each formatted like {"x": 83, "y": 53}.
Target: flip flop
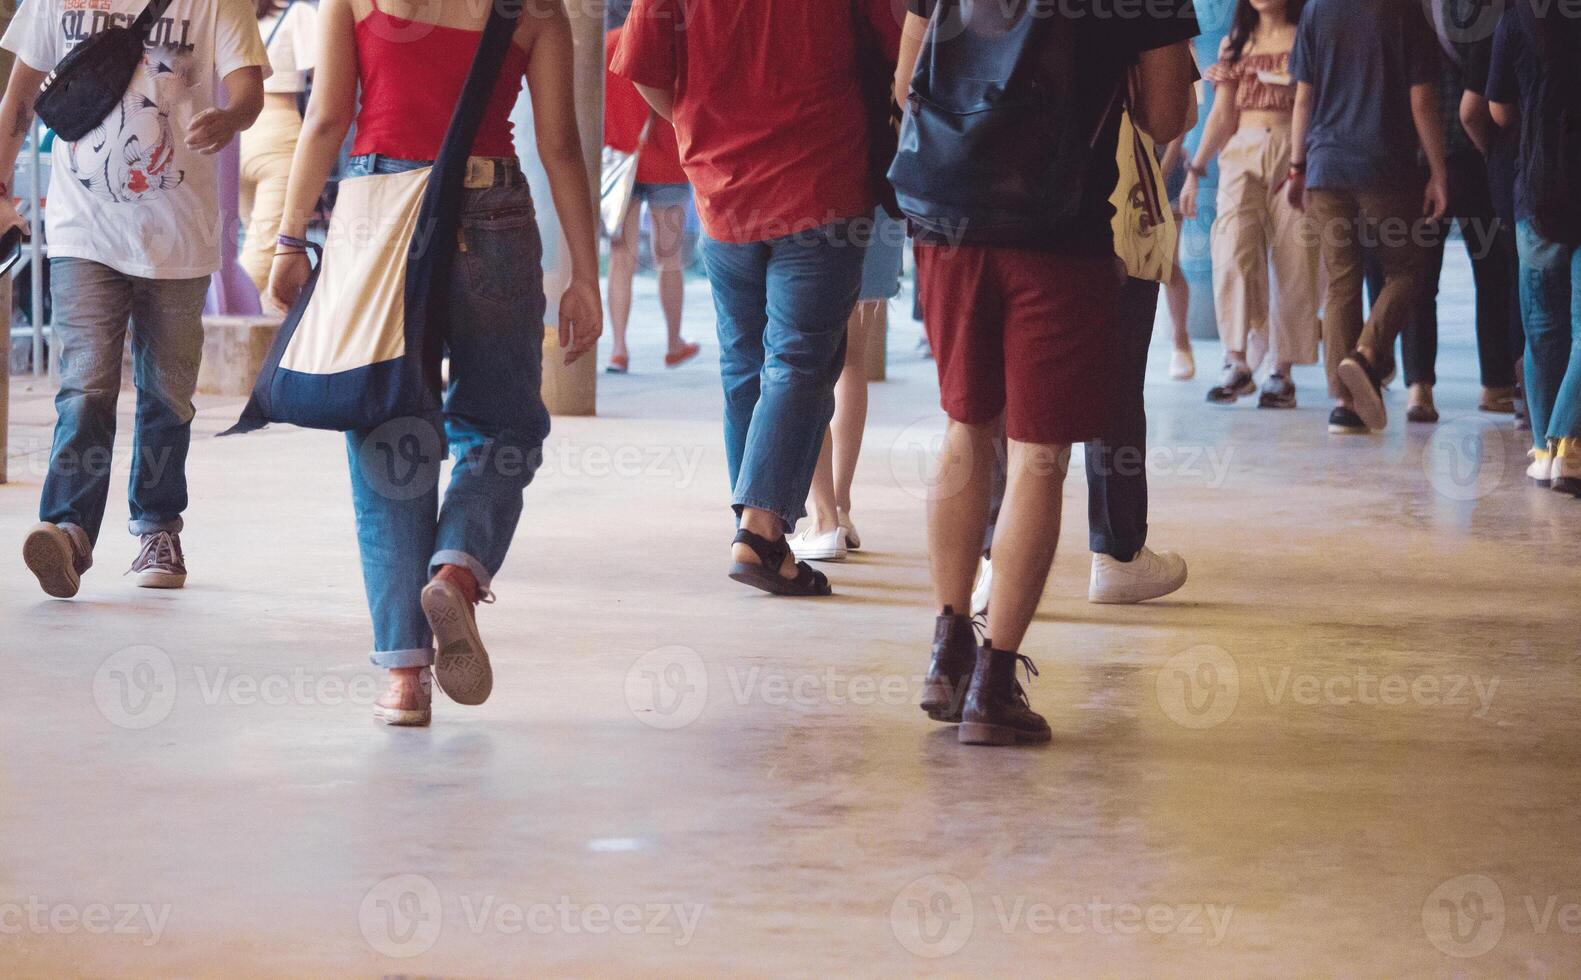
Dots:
{"x": 618, "y": 365}
{"x": 685, "y": 354}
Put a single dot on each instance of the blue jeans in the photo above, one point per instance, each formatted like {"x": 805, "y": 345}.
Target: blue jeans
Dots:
{"x": 494, "y": 423}
{"x": 1551, "y": 310}
{"x": 783, "y": 306}
{"x": 92, "y": 304}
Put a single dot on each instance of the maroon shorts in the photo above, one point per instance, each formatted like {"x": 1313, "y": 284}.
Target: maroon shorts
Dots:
{"x": 1022, "y": 332}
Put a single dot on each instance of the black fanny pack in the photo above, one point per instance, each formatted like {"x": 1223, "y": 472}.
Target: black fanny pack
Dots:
{"x": 92, "y": 80}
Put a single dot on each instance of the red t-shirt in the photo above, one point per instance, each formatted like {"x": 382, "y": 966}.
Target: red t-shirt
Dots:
{"x": 768, "y": 106}
{"x": 625, "y": 113}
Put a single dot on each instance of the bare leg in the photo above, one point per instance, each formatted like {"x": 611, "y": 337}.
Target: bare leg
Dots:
{"x": 958, "y": 510}
{"x": 1177, "y": 293}
{"x": 622, "y": 267}
{"x": 850, "y": 394}
{"x": 669, "y": 229}
{"x": 1025, "y": 539}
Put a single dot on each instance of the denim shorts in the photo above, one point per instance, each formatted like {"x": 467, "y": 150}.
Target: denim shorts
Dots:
{"x": 663, "y": 195}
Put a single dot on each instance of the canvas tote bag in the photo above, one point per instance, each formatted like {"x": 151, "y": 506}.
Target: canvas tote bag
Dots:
{"x": 1145, "y": 234}
{"x": 364, "y": 341}
{"x": 619, "y": 183}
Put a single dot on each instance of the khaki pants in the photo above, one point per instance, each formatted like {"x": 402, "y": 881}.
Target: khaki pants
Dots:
{"x": 1255, "y": 224}
{"x": 266, "y": 154}
{"x": 1390, "y": 221}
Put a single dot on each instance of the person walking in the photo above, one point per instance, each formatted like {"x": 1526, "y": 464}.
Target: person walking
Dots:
{"x": 662, "y": 188}
{"x": 290, "y": 32}
{"x": 428, "y": 562}
{"x": 1021, "y": 319}
{"x": 1534, "y": 87}
{"x": 829, "y": 533}
{"x": 134, "y": 220}
{"x": 1366, "y": 98}
{"x": 767, "y": 101}
{"x": 1249, "y": 131}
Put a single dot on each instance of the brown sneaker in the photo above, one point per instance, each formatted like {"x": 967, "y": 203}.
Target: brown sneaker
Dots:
{"x": 950, "y": 672}
{"x": 160, "y": 565}
{"x": 997, "y": 711}
{"x": 461, "y": 664}
{"x": 57, "y": 555}
{"x": 407, "y": 705}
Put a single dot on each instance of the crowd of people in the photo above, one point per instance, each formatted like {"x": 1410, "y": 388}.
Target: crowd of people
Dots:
{"x": 1348, "y": 135}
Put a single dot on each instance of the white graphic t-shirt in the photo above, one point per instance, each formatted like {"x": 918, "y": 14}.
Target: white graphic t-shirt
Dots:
{"x": 130, "y": 194}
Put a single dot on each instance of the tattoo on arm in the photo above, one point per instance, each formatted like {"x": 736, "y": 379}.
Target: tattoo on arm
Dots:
{"x": 24, "y": 116}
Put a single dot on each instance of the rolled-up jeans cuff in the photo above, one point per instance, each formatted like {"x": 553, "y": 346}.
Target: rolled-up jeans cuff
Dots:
{"x": 392, "y": 659}
{"x": 462, "y": 560}
{"x": 787, "y": 515}
{"x": 140, "y": 528}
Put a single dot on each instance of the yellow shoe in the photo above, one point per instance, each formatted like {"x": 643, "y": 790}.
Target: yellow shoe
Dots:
{"x": 1541, "y": 471}
{"x": 1566, "y": 473}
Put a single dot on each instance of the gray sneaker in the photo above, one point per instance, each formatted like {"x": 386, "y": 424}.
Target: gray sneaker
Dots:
{"x": 160, "y": 565}
{"x": 1278, "y": 392}
{"x": 58, "y": 555}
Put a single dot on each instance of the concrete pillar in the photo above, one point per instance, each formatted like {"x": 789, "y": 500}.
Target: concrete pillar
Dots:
{"x": 568, "y": 390}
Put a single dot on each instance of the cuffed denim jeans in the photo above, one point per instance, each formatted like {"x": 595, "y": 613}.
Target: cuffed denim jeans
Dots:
{"x": 1551, "y": 310}
{"x": 783, "y": 305}
{"x": 92, "y": 304}
{"x": 493, "y": 425}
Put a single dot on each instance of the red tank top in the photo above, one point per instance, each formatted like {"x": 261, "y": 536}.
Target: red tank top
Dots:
{"x": 412, "y": 75}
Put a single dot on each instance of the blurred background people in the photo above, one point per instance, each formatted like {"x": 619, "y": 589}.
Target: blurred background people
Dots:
{"x": 290, "y": 32}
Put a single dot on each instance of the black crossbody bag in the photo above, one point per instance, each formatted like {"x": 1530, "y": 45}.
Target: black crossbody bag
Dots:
{"x": 92, "y": 80}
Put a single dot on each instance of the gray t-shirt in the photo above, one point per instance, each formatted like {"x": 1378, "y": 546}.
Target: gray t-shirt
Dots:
{"x": 1362, "y": 57}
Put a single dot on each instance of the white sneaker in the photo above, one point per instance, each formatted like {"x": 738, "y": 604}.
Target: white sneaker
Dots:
{"x": 809, "y": 545}
{"x": 1147, "y": 576}
{"x": 1182, "y": 365}
{"x": 980, "y": 591}
{"x": 853, "y": 541}
{"x": 1541, "y": 471}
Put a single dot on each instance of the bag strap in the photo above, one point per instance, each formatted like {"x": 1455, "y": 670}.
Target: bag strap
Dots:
{"x": 149, "y": 17}
{"x": 279, "y": 23}
{"x": 647, "y": 130}
{"x": 433, "y": 248}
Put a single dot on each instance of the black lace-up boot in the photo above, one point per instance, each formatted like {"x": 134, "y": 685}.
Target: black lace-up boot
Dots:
{"x": 954, "y": 656}
{"x": 997, "y": 711}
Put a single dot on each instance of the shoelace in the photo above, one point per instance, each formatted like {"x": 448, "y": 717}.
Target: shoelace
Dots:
{"x": 1032, "y": 671}
{"x": 159, "y": 549}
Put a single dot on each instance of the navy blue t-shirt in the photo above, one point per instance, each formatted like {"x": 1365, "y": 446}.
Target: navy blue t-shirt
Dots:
{"x": 1362, "y": 58}
{"x": 1512, "y": 80}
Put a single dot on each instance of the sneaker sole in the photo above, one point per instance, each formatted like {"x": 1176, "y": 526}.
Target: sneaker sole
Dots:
{"x": 398, "y": 718}
{"x": 1130, "y": 597}
{"x": 1347, "y": 430}
{"x": 1367, "y": 400}
{"x": 50, "y": 560}
{"x": 461, "y": 663}
{"x": 1263, "y": 401}
{"x": 820, "y": 554}
{"x": 160, "y": 580}
{"x": 978, "y": 733}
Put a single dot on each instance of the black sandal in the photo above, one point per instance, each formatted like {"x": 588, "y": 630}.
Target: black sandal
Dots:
{"x": 808, "y": 581}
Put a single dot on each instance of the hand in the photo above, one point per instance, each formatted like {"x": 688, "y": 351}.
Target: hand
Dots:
{"x": 1296, "y": 190}
{"x": 1435, "y": 202}
{"x": 212, "y": 130}
{"x": 286, "y": 278}
{"x": 581, "y": 318}
{"x": 1188, "y": 196}
{"x": 10, "y": 218}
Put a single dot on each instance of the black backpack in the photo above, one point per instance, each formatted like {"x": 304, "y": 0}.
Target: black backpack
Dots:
{"x": 994, "y": 149}
{"x": 1553, "y": 125}
{"x": 90, "y": 82}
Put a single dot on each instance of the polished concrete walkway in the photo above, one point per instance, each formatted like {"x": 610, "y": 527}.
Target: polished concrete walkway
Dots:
{"x": 1347, "y": 748}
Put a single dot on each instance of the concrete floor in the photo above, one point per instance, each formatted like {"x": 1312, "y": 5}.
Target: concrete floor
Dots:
{"x": 1348, "y": 748}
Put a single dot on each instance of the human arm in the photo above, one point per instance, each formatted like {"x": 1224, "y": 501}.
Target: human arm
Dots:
{"x": 1224, "y": 121}
{"x": 1300, "y": 125}
{"x": 16, "y": 119}
{"x": 646, "y": 56}
{"x": 1478, "y": 120}
{"x": 1430, "y": 131}
{"x": 1162, "y": 91}
{"x": 550, "y": 69}
{"x": 213, "y": 129}
{"x": 911, "y": 36}
{"x": 330, "y": 112}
